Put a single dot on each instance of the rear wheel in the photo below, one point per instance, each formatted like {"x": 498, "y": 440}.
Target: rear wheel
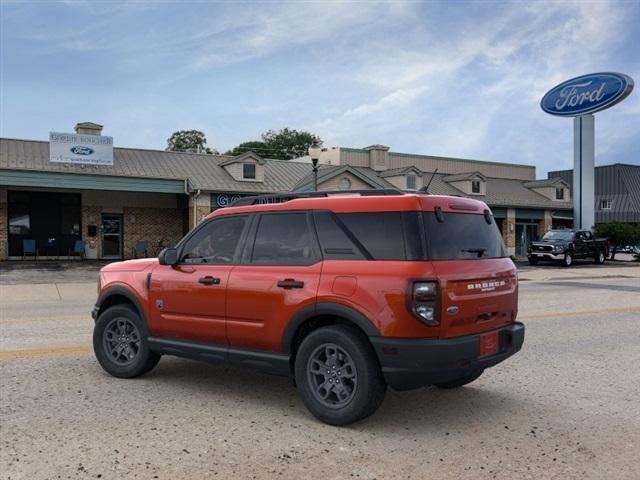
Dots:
{"x": 338, "y": 376}
{"x": 600, "y": 257}
{"x": 120, "y": 343}
{"x": 459, "y": 382}
{"x": 567, "y": 261}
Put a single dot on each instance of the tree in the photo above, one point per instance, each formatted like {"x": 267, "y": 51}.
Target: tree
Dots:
{"x": 283, "y": 144}
{"x": 255, "y": 146}
{"x": 619, "y": 234}
{"x": 188, "y": 141}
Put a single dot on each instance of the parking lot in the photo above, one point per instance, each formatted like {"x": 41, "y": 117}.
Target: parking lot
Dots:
{"x": 565, "y": 407}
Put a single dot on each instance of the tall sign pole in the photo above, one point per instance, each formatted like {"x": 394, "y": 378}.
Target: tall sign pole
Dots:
{"x": 584, "y": 172}
{"x": 580, "y": 97}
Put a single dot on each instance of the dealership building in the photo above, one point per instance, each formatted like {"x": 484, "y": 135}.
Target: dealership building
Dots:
{"x": 77, "y": 189}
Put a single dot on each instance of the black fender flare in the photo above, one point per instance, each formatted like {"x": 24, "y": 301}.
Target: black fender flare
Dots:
{"x": 333, "y": 309}
{"x": 124, "y": 292}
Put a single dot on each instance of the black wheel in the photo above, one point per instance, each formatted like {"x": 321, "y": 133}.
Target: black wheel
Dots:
{"x": 533, "y": 260}
{"x": 567, "y": 261}
{"x": 120, "y": 343}
{"x": 600, "y": 257}
{"x": 459, "y": 382}
{"x": 338, "y": 376}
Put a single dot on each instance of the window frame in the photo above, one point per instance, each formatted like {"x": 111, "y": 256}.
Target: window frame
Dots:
{"x": 560, "y": 191}
{"x": 414, "y": 178}
{"x": 239, "y": 248}
{"x": 479, "y": 184}
{"x": 250, "y": 239}
{"x": 609, "y": 204}
{"x": 244, "y": 173}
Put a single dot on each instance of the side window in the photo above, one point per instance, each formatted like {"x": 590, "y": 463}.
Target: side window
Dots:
{"x": 283, "y": 239}
{"x": 588, "y": 236}
{"x": 216, "y": 242}
{"x": 334, "y": 242}
{"x": 579, "y": 236}
{"x": 380, "y": 233}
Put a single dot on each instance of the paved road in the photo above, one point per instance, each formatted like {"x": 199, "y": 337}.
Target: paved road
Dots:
{"x": 565, "y": 407}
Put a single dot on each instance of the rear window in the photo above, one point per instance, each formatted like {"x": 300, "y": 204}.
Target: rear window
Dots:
{"x": 462, "y": 236}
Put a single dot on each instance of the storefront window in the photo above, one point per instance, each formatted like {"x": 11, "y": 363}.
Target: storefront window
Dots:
{"x": 19, "y": 217}
{"x": 70, "y": 214}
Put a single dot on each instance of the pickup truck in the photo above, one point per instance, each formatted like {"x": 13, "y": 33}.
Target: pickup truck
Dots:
{"x": 565, "y": 246}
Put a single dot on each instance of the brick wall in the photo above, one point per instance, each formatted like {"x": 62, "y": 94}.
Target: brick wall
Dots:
{"x": 150, "y": 224}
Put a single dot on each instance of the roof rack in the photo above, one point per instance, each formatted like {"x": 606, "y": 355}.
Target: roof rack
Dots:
{"x": 285, "y": 197}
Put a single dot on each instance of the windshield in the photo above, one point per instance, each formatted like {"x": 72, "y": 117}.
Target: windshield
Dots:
{"x": 462, "y": 236}
{"x": 558, "y": 235}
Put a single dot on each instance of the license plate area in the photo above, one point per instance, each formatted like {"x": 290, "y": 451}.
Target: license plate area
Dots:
{"x": 489, "y": 344}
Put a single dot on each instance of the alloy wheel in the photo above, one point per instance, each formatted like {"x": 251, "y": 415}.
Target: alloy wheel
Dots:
{"x": 332, "y": 376}
{"x": 121, "y": 341}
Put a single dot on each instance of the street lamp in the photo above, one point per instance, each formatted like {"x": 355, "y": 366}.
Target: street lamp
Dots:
{"x": 314, "y": 152}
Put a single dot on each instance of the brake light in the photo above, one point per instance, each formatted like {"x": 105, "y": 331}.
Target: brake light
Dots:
{"x": 424, "y": 302}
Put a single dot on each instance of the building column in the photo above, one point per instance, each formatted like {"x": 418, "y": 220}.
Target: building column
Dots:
{"x": 509, "y": 231}
{"x": 545, "y": 224}
{"x": 199, "y": 208}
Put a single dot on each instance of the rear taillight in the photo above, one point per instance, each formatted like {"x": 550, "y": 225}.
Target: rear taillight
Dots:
{"x": 424, "y": 302}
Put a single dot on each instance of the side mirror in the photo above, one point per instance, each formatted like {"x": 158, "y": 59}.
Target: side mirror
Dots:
{"x": 168, "y": 256}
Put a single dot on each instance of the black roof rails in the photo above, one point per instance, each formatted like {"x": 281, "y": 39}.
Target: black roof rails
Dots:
{"x": 285, "y": 197}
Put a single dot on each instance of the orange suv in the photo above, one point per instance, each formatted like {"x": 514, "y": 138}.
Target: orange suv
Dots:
{"x": 346, "y": 293}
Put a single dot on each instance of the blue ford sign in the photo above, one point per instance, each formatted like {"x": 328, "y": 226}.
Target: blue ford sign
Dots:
{"x": 79, "y": 150}
{"x": 587, "y": 94}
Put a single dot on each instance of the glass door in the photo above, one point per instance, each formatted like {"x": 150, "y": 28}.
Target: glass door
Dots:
{"x": 111, "y": 235}
{"x": 525, "y": 233}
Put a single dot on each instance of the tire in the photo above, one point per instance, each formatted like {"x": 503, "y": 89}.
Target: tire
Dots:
{"x": 532, "y": 260}
{"x": 122, "y": 323}
{"x": 567, "y": 261}
{"x": 600, "y": 257}
{"x": 460, "y": 382}
{"x": 351, "y": 363}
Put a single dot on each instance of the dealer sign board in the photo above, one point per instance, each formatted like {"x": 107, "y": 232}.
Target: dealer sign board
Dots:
{"x": 587, "y": 94}
{"x": 80, "y": 149}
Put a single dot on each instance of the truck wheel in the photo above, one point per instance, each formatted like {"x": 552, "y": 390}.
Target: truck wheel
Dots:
{"x": 338, "y": 375}
{"x": 120, "y": 343}
{"x": 600, "y": 257}
{"x": 533, "y": 260}
{"x": 567, "y": 260}
{"x": 459, "y": 382}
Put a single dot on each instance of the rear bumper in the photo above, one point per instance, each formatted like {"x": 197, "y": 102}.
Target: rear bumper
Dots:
{"x": 408, "y": 364}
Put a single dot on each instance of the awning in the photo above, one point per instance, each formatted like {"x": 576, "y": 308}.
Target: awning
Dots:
{"x": 30, "y": 178}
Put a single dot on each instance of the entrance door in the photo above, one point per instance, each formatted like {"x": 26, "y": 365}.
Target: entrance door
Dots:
{"x": 525, "y": 233}
{"x": 111, "y": 235}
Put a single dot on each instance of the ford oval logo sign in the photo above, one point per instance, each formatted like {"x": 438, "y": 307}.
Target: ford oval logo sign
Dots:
{"x": 79, "y": 150}
{"x": 587, "y": 94}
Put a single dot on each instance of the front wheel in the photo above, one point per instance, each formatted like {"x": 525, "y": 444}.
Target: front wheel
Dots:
{"x": 600, "y": 257}
{"x": 338, "y": 376}
{"x": 459, "y": 382}
{"x": 533, "y": 260}
{"x": 567, "y": 261}
{"x": 120, "y": 343}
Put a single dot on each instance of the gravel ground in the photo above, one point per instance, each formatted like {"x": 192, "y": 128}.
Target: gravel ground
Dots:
{"x": 565, "y": 407}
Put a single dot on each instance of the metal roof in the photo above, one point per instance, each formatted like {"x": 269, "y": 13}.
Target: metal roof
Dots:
{"x": 464, "y": 176}
{"x": 203, "y": 171}
{"x": 499, "y": 191}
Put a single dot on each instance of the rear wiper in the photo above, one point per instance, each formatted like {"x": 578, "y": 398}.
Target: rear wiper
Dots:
{"x": 479, "y": 251}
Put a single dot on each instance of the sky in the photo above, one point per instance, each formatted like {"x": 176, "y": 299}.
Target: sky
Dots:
{"x": 450, "y": 78}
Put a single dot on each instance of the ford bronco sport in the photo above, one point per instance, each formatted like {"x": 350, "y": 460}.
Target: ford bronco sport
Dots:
{"x": 347, "y": 294}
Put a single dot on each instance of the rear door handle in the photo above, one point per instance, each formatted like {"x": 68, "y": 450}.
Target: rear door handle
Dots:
{"x": 209, "y": 280}
{"x": 290, "y": 283}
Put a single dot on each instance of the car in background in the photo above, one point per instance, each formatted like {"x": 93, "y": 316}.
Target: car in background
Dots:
{"x": 564, "y": 246}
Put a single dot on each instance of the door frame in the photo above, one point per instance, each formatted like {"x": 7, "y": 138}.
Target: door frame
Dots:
{"x": 111, "y": 257}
